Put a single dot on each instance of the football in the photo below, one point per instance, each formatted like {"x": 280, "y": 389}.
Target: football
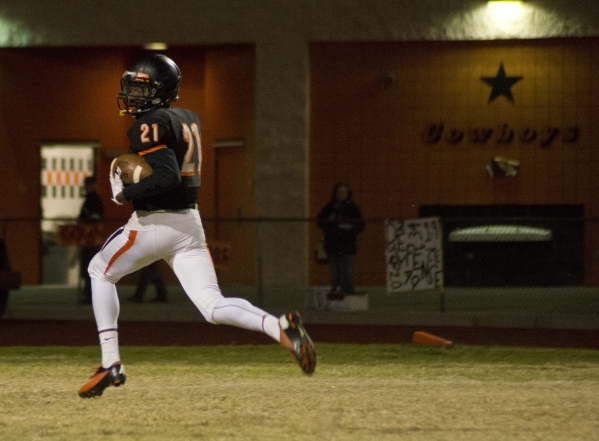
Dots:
{"x": 133, "y": 168}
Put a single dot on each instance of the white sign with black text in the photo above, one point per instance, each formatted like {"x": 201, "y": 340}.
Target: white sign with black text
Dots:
{"x": 414, "y": 254}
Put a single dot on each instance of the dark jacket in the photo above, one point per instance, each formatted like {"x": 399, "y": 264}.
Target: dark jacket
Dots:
{"x": 92, "y": 209}
{"x": 341, "y": 223}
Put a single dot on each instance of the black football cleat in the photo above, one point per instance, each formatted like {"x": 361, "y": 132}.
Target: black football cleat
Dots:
{"x": 303, "y": 347}
{"x": 102, "y": 378}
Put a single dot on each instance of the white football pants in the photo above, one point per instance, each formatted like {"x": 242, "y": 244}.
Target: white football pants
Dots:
{"x": 178, "y": 238}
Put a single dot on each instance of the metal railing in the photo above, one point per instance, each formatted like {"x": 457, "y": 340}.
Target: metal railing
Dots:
{"x": 502, "y": 276}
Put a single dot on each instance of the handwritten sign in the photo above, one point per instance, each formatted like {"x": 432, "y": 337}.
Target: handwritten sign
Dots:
{"x": 82, "y": 234}
{"x": 414, "y": 254}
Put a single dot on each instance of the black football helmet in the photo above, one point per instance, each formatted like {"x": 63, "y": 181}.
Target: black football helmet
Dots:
{"x": 151, "y": 82}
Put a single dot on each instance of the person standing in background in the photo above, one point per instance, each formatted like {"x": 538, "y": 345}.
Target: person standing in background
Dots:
{"x": 150, "y": 274}
{"x": 342, "y": 221}
{"x": 92, "y": 211}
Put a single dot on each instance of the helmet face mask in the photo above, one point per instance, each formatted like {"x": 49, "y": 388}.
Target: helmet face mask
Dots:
{"x": 151, "y": 82}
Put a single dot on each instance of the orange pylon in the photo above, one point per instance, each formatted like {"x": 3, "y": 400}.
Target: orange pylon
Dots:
{"x": 424, "y": 338}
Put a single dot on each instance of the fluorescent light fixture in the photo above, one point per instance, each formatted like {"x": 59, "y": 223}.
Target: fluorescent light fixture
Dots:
{"x": 501, "y": 233}
{"x": 156, "y": 46}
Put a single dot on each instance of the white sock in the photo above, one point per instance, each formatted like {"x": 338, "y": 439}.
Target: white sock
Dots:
{"x": 271, "y": 327}
{"x": 106, "y": 311}
{"x": 109, "y": 343}
{"x": 241, "y": 313}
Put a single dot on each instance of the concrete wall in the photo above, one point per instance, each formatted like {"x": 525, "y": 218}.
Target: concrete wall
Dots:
{"x": 281, "y": 31}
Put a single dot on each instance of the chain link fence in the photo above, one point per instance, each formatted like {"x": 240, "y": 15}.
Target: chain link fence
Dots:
{"x": 526, "y": 275}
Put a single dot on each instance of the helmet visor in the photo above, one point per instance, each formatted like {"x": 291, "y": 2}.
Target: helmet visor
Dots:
{"x": 136, "y": 92}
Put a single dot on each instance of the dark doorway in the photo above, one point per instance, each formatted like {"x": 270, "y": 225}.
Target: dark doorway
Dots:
{"x": 557, "y": 261}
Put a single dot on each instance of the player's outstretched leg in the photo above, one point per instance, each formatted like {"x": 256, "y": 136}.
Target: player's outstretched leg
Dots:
{"x": 101, "y": 379}
{"x": 303, "y": 347}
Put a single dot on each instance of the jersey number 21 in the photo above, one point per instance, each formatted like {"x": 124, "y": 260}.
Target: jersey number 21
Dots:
{"x": 192, "y": 162}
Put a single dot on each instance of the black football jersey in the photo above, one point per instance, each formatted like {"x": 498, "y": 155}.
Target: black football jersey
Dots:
{"x": 169, "y": 140}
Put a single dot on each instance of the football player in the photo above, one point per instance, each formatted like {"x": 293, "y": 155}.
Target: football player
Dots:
{"x": 165, "y": 224}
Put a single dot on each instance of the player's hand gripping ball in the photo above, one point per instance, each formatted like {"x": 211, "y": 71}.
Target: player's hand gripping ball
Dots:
{"x": 133, "y": 168}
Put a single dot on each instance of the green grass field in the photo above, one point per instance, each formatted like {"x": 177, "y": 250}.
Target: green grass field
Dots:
{"x": 359, "y": 392}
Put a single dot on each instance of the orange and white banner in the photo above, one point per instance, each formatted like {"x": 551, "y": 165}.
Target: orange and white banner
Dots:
{"x": 59, "y": 178}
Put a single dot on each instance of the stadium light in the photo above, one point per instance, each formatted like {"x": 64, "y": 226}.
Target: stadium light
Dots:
{"x": 505, "y": 9}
